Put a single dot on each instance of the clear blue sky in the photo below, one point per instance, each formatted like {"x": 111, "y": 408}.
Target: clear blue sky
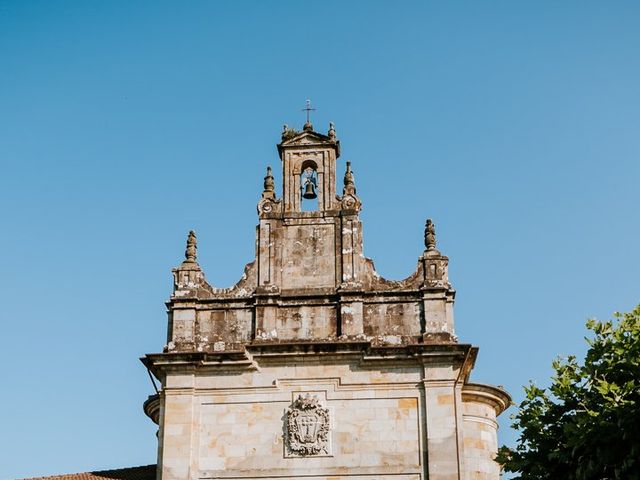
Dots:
{"x": 514, "y": 125}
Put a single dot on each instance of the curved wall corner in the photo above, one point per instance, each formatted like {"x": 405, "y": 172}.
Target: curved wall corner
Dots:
{"x": 481, "y": 405}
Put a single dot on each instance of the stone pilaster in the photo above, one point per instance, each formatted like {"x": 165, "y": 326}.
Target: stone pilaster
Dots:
{"x": 442, "y": 429}
{"x": 176, "y": 460}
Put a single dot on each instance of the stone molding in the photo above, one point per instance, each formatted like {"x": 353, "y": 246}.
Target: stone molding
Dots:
{"x": 496, "y": 397}
{"x": 363, "y": 352}
{"x": 151, "y": 408}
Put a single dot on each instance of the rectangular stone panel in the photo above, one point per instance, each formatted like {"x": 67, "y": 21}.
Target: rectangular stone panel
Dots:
{"x": 389, "y": 319}
{"x": 306, "y": 322}
{"x": 376, "y": 435}
{"x": 228, "y": 325}
{"x": 308, "y": 256}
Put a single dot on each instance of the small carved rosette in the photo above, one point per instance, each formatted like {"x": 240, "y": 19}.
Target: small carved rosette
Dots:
{"x": 307, "y": 428}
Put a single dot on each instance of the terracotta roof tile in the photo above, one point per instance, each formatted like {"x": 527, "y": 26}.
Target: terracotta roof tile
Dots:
{"x": 147, "y": 472}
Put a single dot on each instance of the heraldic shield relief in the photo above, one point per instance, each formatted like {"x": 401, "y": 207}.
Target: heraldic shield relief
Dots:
{"x": 307, "y": 428}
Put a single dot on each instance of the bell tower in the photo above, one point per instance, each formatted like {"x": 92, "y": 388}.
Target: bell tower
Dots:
{"x": 304, "y": 251}
{"x": 309, "y": 168}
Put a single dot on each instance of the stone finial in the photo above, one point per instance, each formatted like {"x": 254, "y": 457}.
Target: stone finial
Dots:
{"x": 269, "y": 185}
{"x": 349, "y": 182}
{"x": 308, "y": 127}
{"x": 288, "y": 133}
{"x": 430, "y": 236}
{"x": 332, "y": 131}
{"x": 190, "y": 253}
{"x": 188, "y": 276}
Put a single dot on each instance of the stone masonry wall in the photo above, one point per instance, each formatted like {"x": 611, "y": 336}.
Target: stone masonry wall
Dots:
{"x": 231, "y": 426}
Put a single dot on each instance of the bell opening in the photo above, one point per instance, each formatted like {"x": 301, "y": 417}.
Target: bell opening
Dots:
{"x": 309, "y": 189}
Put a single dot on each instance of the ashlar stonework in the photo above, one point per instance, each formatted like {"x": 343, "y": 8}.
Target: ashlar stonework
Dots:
{"x": 313, "y": 365}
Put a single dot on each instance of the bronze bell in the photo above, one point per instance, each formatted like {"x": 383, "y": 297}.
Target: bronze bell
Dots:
{"x": 309, "y": 191}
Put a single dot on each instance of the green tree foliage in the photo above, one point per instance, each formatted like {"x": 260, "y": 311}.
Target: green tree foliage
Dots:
{"x": 586, "y": 426}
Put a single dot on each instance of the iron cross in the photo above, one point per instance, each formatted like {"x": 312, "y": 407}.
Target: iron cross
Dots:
{"x": 308, "y": 109}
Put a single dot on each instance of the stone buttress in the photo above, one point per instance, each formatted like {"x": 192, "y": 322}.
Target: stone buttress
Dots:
{"x": 312, "y": 365}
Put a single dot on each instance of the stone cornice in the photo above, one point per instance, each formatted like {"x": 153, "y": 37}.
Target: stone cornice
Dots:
{"x": 496, "y": 397}
{"x": 361, "y": 351}
{"x": 151, "y": 408}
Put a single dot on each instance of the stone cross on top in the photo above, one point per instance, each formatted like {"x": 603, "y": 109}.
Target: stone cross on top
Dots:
{"x": 308, "y": 109}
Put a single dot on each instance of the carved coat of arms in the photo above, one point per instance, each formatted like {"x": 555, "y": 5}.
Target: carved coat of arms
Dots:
{"x": 307, "y": 427}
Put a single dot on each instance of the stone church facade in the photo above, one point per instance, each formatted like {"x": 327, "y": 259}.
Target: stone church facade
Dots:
{"x": 313, "y": 366}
